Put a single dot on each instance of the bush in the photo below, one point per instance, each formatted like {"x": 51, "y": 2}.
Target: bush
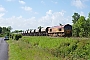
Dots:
{"x": 1, "y": 35}
{"x": 17, "y": 36}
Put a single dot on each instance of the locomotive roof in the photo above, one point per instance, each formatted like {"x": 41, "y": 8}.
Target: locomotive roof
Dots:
{"x": 59, "y": 26}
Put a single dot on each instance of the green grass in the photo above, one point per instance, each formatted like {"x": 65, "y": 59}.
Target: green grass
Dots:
{"x": 49, "y": 48}
{"x": 19, "y": 50}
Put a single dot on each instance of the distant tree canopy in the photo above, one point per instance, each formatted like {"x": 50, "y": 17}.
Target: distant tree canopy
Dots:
{"x": 5, "y": 31}
{"x": 75, "y": 17}
{"x": 9, "y": 28}
{"x": 40, "y": 27}
{"x": 17, "y": 31}
{"x": 81, "y": 26}
{"x": 60, "y": 24}
{"x": 0, "y": 30}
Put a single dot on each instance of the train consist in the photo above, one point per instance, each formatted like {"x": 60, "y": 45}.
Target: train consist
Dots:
{"x": 62, "y": 31}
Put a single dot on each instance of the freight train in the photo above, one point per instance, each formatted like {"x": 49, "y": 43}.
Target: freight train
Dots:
{"x": 62, "y": 31}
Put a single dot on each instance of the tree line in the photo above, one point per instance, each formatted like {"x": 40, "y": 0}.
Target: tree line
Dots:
{"x": 81, "y": 25}
{"x": 5, "y": 31}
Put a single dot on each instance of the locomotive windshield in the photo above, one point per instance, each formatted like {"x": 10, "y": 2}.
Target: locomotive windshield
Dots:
{"x": 68, "y": 27}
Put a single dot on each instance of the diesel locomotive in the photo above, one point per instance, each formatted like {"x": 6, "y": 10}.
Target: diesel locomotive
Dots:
{"x": 64, "y": 30}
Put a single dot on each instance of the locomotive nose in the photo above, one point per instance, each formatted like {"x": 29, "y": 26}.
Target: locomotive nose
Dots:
{"x": 67, "y": 31}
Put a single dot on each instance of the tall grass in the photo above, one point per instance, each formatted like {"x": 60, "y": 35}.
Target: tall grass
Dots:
{"x": 50, "y": 48}
{"x": 47, "y": 42}
{"x": 20, "y": 50}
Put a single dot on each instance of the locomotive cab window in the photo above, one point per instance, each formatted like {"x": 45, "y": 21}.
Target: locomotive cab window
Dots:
{"x": 50, "y": 30}
{"x": 60, "y": 29}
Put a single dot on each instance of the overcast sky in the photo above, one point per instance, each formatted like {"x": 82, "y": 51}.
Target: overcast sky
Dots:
{"x": 29, "y": 14}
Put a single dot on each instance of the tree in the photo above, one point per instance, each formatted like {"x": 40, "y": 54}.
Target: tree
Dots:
{"x": 17, "y": 36}
{"x": 75, "y": 30}
{"x": 17, "y": 31}
{"x": 0, "y": 30}
{"x": 40, "y": 27}
{"x": 88, "y": 25}
{"x": 9, "y": 28}
{"x": 20, "y": 31}
{"x": 5, "y": 31}
{"x": 75, "y": 17}
{"x": 60, "y": 24}
{"x": 89, "y": 15}
{"x": 81, "y": 25}
{"x": 31, "y": 29}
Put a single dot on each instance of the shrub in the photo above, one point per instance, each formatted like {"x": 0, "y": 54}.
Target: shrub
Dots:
{"x": 17, "y": 36}
{"x": 1, "y": 35}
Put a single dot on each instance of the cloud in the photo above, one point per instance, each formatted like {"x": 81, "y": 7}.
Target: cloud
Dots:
{"x": 54, "y": 2}
{"x": 18, "y": 22}
{"x": 36, "y": 13}
{"x": 2, "y": 14}
{"x": 10, "y": 0}
{"x": 54, "y": 18}
{"x": 2, "y": 9}
{"x": 82, "y": 13}
{"x": 49, "y": 12}
{"x": 50, "y": 19}
{"x": 21, "y": 2}
{"x": 27, "y": 8}
{"x": 43, "y": 2}
{"x": 78, "y": 3}
{"x": 85, "y": 0}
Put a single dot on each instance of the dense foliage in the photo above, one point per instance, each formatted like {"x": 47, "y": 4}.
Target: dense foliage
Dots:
{"x": 17, "y": 31}
{"x": 81, "y": 26}
{"x": 5, "y": 31}
{"x": 17, "y": 36}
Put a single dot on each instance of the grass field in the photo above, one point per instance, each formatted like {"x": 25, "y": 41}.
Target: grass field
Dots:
{"x": 49, "y": 48}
